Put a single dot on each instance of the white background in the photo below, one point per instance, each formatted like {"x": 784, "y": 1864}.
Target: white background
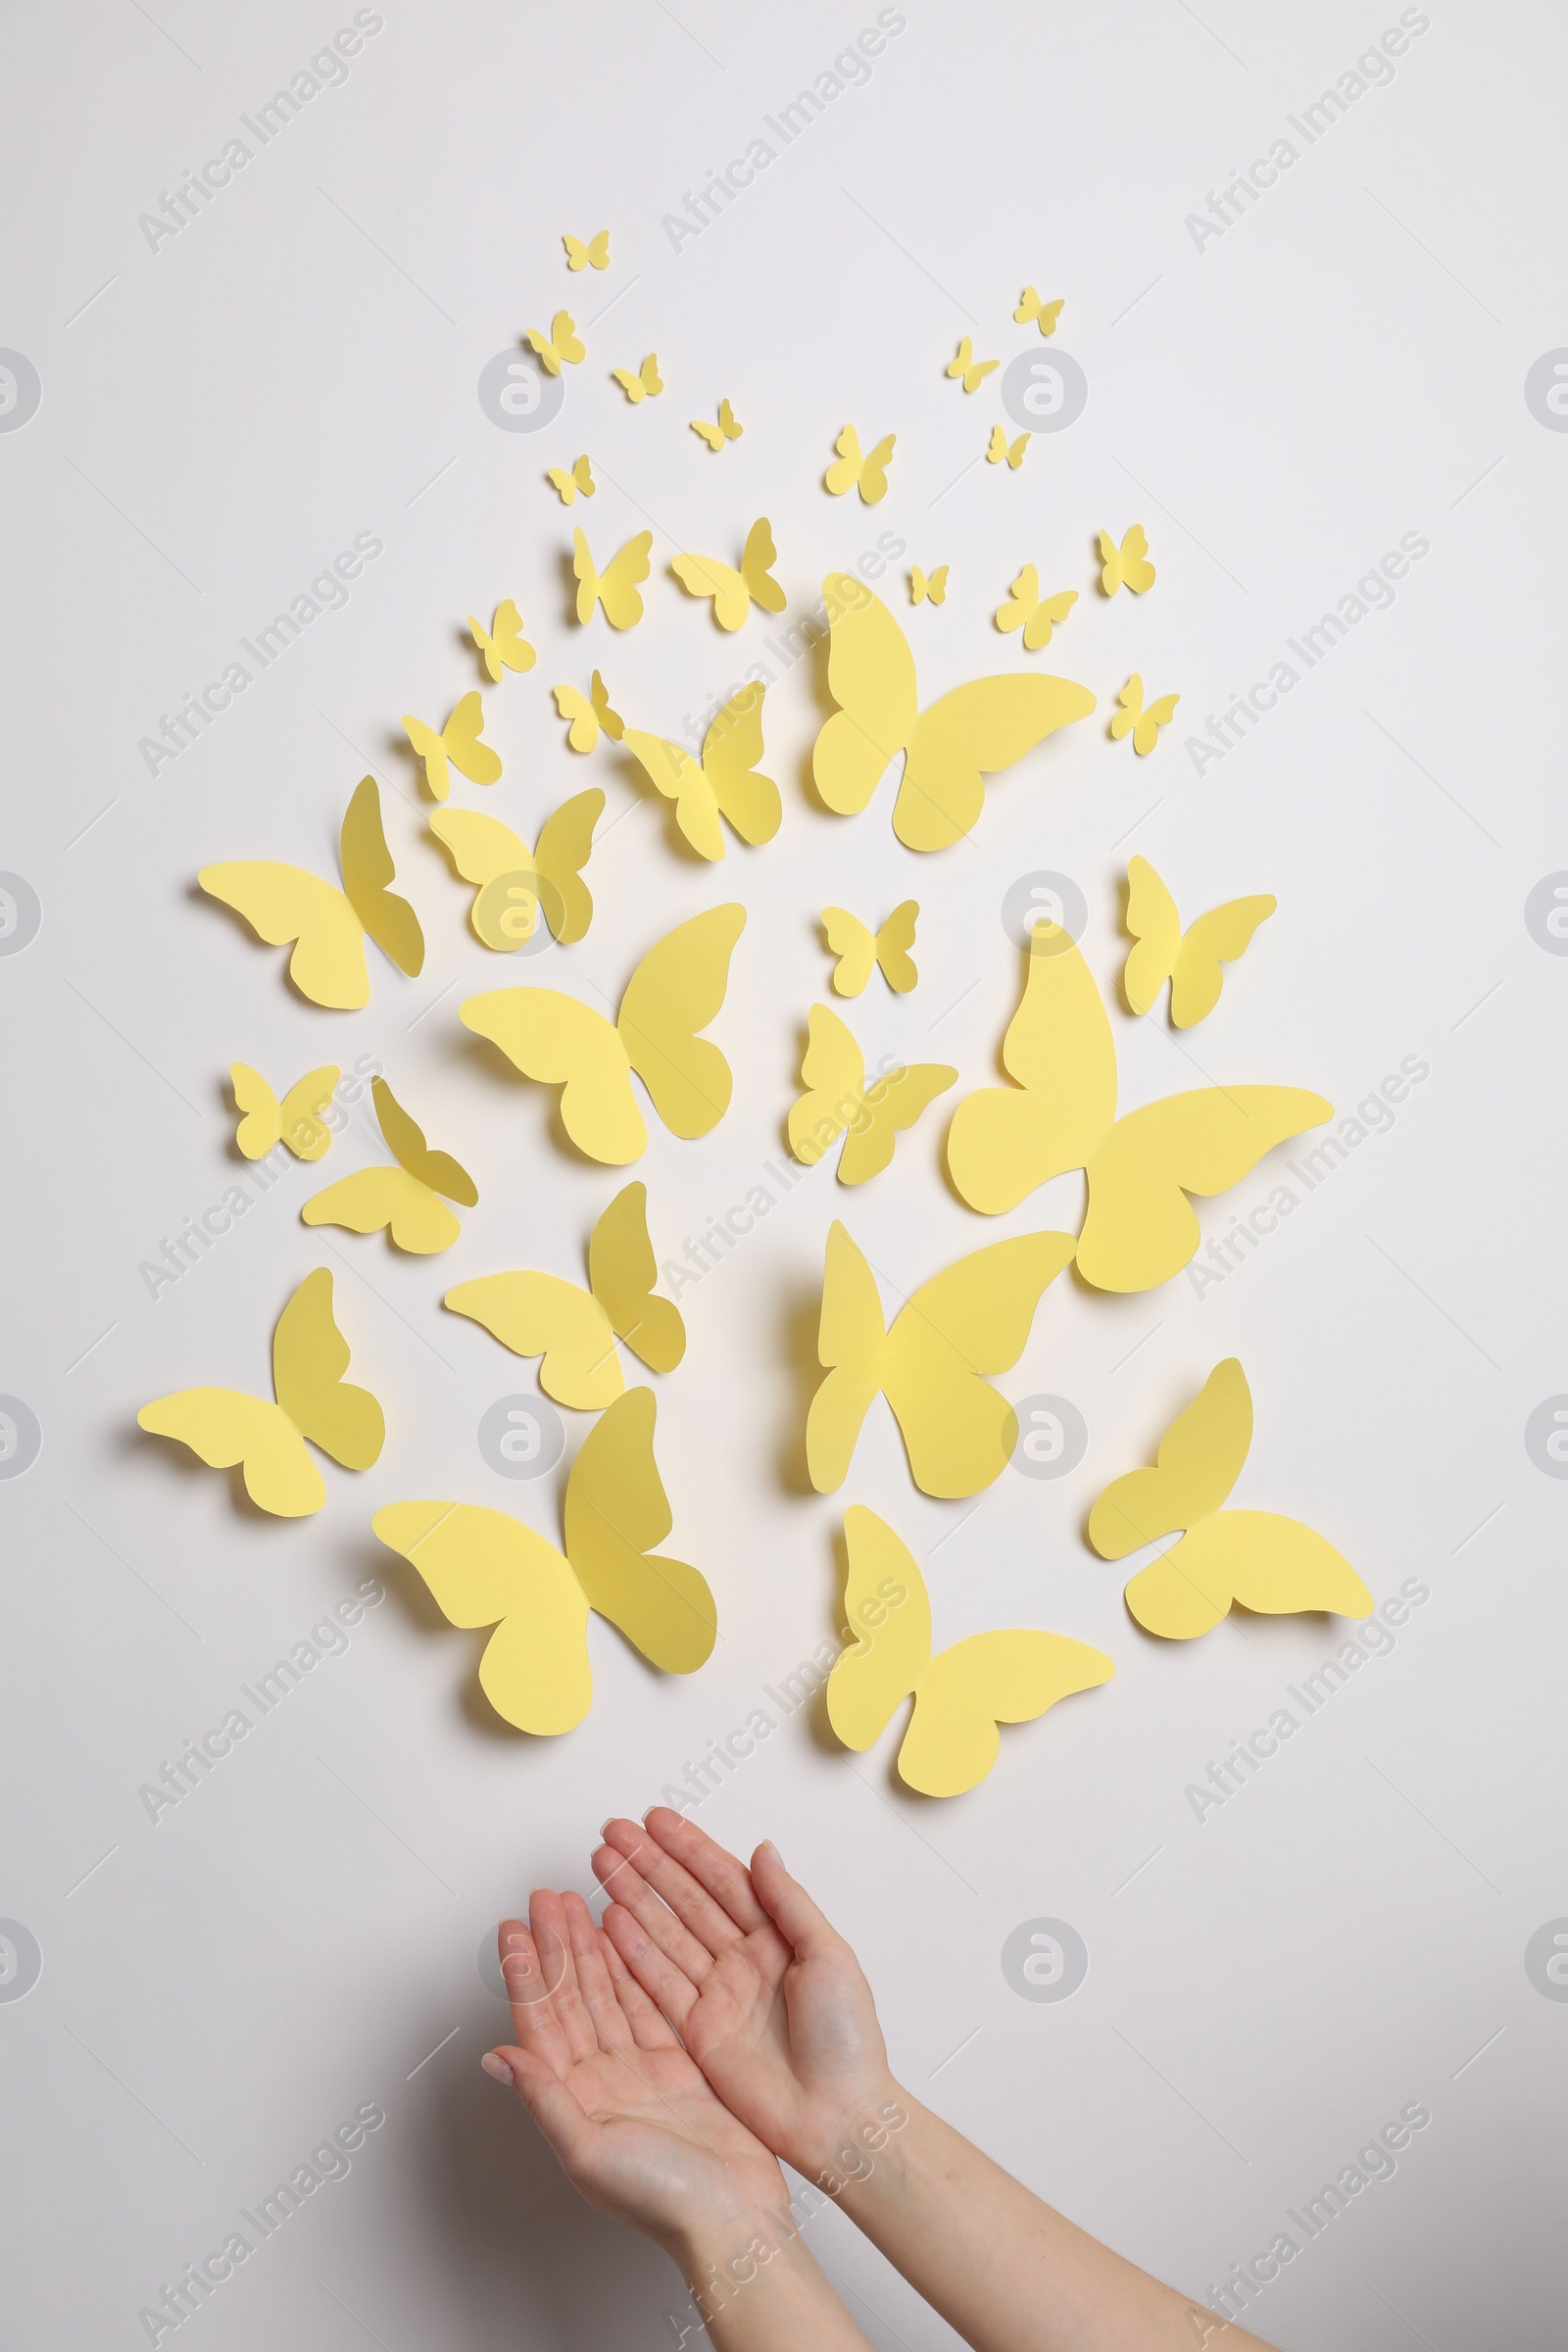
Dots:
{"x": 220, "y": 418}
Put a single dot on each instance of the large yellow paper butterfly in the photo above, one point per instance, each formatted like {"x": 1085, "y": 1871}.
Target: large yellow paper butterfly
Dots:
{"x": 460, "y": 744}
{"x": 960, "y": 1694}
{"x": 329, "y": 926}
{"x": 860, "y": 950}
{"x": 1143, "y": 724}
{"x": 728, "y": 427}
{"x": 594, "y": 253}
{"x": 266, "y": 1122}
{"x": 513, "y": 883}
{"x": 949, "y": 750}
{"x": 1036, "y": 615}
{"x": 839, "y": 1102}
{"x": 1274, "y": 1565}
{"x": 646, "y": 385}
{"x": 575, "y": 1330}
{"x": 225, "y": 1426}
{"x": 735, "y": 592}
{"x": 588, "y": 714}
{"x": 566, "y": 485}
{"x": 925, "y": 587}
{"x": 616, "y": 588}
{"x": 562, "y": 343}
{"x": 1044, "y": 314}
{"x": 972, "y": 1318}
{"x": 964, "y": 363}
{"x": 868, "y": 473}
{"x": 1190, "y": 960}
{"x": 676, "y": 990}
{"x": 1140, "y": 1227}
{"x": 485, "y": 1568}
{"x": 999, "y": 447}
{"x": 1127, "y": 566}
{"x": 404, "y": 1200}
{"x": 502, "y": 645}
{"x": 725, "y": 784}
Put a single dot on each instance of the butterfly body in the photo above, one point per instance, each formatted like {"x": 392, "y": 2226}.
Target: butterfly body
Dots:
{"x": 868, "y": 473}
{"x": 1036, "y": 615}
{"x": 1190, "y": 960}
{"x": 403, "y": 1201}
{"x": 861, "y": 951}
{"x": 724, "y": 784}
{"x": 735, "y": 592}
{"x": 616, "y": 587}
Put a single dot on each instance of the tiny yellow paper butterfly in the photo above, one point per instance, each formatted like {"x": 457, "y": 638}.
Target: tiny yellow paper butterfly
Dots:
{"x": 726, "y": 783}
{"x": 1029, "y": 610}
{"x": 735, "y": 592}
{"x": 1190, "y": 960}
{"x": 297, "y": 1120}
{"x": 562, "y": 343}
{"x": 502, "y": 644}
{"x": 726, "y": 429}
{"x": 646, "y": 385}
{"x": 1141, "y": 723}
{"x": 459, "y": 743}
{"x": 403, "y": 1199}
{"x": 514, "y": 884}
{"x": 999, "y": 447}
{"x": 1127, "y": 566}
{"x": 964, "y": 363}
{"x": 868, "y": 473}
{"x": 568, "y": 485}
{"x": 838, "y": 1102}
{"x": 588, "y": 714}
{"x": 616, "y": 586}
{"x": 1044, "y": 314}
{"x": 594, "y": 255}
{"x": 932, "y": 587}
{"x": 860, "y": 950}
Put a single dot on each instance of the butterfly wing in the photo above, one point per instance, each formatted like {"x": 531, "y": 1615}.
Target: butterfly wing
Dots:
{"x": 889, "y": 1106}
{"x": 1215, "y": 939}
{"x": 618, "y": 587}
{"x": 310, "y": 1356}
{"x": 540, "y": 1314}
{"x": 885, "y": 1602}
{"x": 972, "y": 733}
{"x": 563, "y": 484}
{"x": 583, "y": 732}
{"x": 758, "y": 558}
{"x": 576, "y": 252}
{"x": 1198, "y": 1461}
{"x": 1135, "y": 566}
{"x": 1157, "y": 928}
{"x": 284, "y": 904}
{"x": 648, "y": 375}
{"x": 1127, "y": 719}
{"x": 713, "y": 434}
{"x": 261, "y": 1121}
{"x": 991, "y": 1679}
{"x": 676, "y": 990}
{"x": 701, "y": 576}
{"x": 367, "y": 868}
{"x": 873, "y": 481}
{"x": 390, "y": 1199}
{"x": 1110, "y": 572}
{"x": 674, "y": 772}
{"x": 893, "y": 944}
{"x": 301, "y": 1119}
{"x": 1015, "y": 453}
{"x": 565, "y": 842}
{"x": 833, "y": 1072}
{"x": 461, "y": 734}
{"x": 622, "y": 1273}
{"x": 405, "y": 1140}
{"x": 1021, "y": 600}
{"x": 489, "y": 651}
{"x": 729, "y": 424}
{"x": 431, "y": 748}
{"x": 1147, "y": 726}
{"x": 616, "y": 1512}
{"x": 224, "y": 1426}
{"x": 731, "y": 748}
{"x": 962, "y": 358}
{"x": 1005, "y": 1141}
{"x": 511, "y": 645}
{"x": 936, "y": 587}
{"x": 850, "y": 1345}
{"x": 855, "y": 946}
{"x": 562, "y": 1042}
{"x": 1043, "y": 619}
{"x": 1274, "y": 1565}
{"x": 846, "y": 472}
{"x": 870, "y": 676}
{"x": 480, "y": 847}
{"x": 564, "y": 339}
{"x": 997, "y": 446}
{"x": 632, "y": 385}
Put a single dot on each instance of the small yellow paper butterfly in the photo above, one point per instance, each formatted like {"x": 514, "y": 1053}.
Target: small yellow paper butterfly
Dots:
{"x": 724, "y": 785}
{"x": 646, "y": 385}
{"x": 1044, "y": 314}
{"x": 1273, "y": 1565}
{"x": 676, "y": 990}
{"x": 924, "y": 586}
{"x": 459, "y": 745}
{"x": 225, "y": 1426}
{"x": 964, "y": 363}
{"x": 562, "y": 343}
{"x": 1190, "y": 960}
{"x": 1141, "y": 723}
{"x": 960, "y": 1694}
{"x": 735, "y": 592}
{"x": 568, "y": 485}
{"x": 515, "y": 884}
{"x": 588, "y": 714}
{"x": 575, "y": 1330}
{"x": 726, "y": 429}
{"x": 997, "y": 448}
{"x": 502, "y": 645}
{"x": 868, "y": 474}
{"x": 485, "y": 1568}
{"x": 594, "y": 255}
{"x": 616, "y": 588}
{"x": 1127, "y": 566}
{"x": 860, "y": 950}
{"x": 403, "y": 1199}
{"x": 329, "y": 926}
{"x": 297, "y": 1120}
{"x": 1029, "y": 610}
{"x": 838, "y": 1102}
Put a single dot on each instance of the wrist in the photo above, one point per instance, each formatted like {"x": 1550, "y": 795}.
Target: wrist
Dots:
{"x": 842, "y": 2144}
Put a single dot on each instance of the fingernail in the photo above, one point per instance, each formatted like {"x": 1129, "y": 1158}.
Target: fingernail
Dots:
{"x": 771, "y": 1849}
{"x": 496, "y": 2066}
{"x": 605, "y": 1826}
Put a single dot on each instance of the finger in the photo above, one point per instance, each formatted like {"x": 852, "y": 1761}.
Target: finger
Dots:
{"x": 533, "y": 2018}
{"x": 728, "y": 1880}
{"x": 626, "y": 1882}
{"x": 570, "y": 2132}
{"x": 604, "y": 2013}
{"x": 651, "y": 2028}
{"x": 788, "y": 1905}
{"x": 665, "y": 1871}
{"x": 654, "y": 1971}
{"x": 552, "y": 1937}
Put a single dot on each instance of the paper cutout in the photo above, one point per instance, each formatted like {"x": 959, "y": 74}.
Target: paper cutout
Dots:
{"x": 460, "y": 744}
{"x": 588, "y": 716}
{"x": 972, "y": 1318}
{"x": 726, "y": 429}
{"x": 1034, "y": 613}
{"x": 735, "y": 592}
{"x": 1267, "y": 1563}
{"x": 329, "y": 926}
{"x": 616, "y": 588}
{"x": 502, "y": 645}
{"x": 949, "y": 750}
{"x": 298, "y": 1121}
{"x": 960, "y": 1694}
{"x": 646, "y": 385}
{"x": 725, "y": 784}
{"x": 839, "y": 1102}
{"x": 1044, "y": 314}
{"x": 1192, "y": 961}
{"x": 860, "y": 950}
{"x": 671, "y": 997}
{"x": 568, "y": 485}
{"x": 575, "y": 1330}
{"x": 973, "y": 370}
{"x": 1128, "y": 564}
{"x": 925, "y": 587}
{"x": 225, "y": 1426}
{"x": 868, "y": 473}
{"x": 1141, "y": 724}
{"x": 513, "y": 883}
{"x": 999, "y": 447}
{"x": 402, "y": 1200}
{"x": 485, "y": 1568}
{"x": 594, "y": 255}
{"x": 1060, "y": 1113}
{"x": 563, "y": 343}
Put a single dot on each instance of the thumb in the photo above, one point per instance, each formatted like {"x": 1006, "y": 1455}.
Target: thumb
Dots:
{"x": 554, "y": 2109}
{"x": 788, "y": 1905}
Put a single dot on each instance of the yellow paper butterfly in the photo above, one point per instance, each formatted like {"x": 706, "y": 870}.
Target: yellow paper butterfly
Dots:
{"x": 838, "y": 1102}
{"x": 999, "y": 447}
{"x": 515, "y": 884}
{"x": 1127, "y": 566}
{"x": 329, "y": 926}
{"x": 404, "y": 1200}
{"x": 588, "y": 714}
{"x": 616, "y": 588}
{"x": 726, "y": 429}
{"x": 1190, "y": 960}
{"x": 726, "y": 783}
{"x": 923, "y": 587}
{"x": 860, "y": 950}
{"x": 502, "y": 645}
{"x": 225, "y": 1426}
{"x": 1273, "y": 1565}
{"x": 568, "y": 485}
{"x": 960, "y": 1694}
{"x": 1034, "y": 613}
{"x": 868, "y": 474}
{"x": 676, "y": 990}
{"x": 972, "y": 1318}
{"x": 1143, "y": 724}
{"x": 646, "y": 385}
{"x": 735, "y": 592}
{"x": 298, "y": 1121}
{"x": 484, "y": 1568}
{"x": 1060, "y": 1113}
{"x": 949, "y": 750}
{"x": 575, "y": 1330}
{"x": 562, "y": 343}
{"x": 459, "y": 745}
{"x": 594, "y": 255}
{"x": 1044, "y": 314}
{"x": 964, "y": 363}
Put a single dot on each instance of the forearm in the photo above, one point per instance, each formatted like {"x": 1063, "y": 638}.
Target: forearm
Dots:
{"x": 754, "y": 2287}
